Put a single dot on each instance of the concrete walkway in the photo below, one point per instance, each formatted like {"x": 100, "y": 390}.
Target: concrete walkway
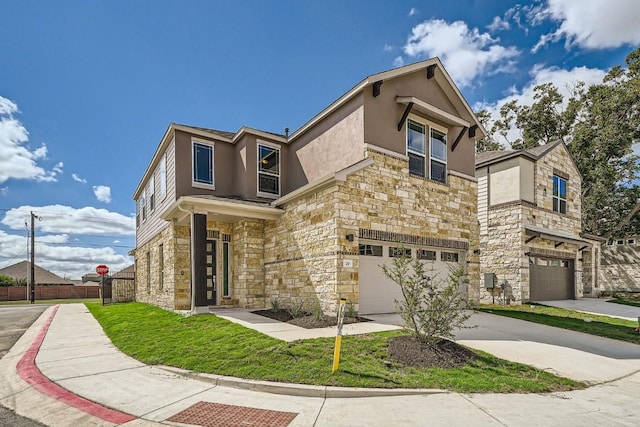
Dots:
{"x": 75, "y": 354}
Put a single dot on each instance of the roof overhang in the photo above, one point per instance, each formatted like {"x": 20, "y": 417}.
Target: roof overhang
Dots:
{"x": 323, "y": 182}
{"x": 228, "y": 210}
{"x": 555, "y": 235}
{"x": 433, "y": 111}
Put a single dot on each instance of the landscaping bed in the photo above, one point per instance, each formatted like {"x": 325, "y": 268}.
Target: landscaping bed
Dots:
{"x": 307, "y": 320}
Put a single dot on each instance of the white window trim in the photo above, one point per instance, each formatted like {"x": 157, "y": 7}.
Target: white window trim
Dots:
{"x": 258, "y": 171}
{"x": 429, "y": 125}
{"x": 151, "y": 192}
{"x": 435, "y": 159}
{"x": 202, "y": 185}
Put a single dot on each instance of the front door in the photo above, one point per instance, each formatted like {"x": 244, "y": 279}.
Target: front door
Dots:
{"x": 211, "y": 273}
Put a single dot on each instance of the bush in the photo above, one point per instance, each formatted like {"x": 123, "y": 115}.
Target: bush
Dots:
{"x": 7, "y": 280}
{"x": 432, "y": 308}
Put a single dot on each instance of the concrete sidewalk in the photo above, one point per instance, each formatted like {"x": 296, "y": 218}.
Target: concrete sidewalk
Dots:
{"x": 598, "y": 306}
{"x": 76, "y": 355}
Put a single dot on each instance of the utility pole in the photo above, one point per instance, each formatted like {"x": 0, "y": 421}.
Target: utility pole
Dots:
{"x": 33, "y": 268}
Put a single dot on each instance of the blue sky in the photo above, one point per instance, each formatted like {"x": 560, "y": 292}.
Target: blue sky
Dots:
{"x": 87, "y": 88}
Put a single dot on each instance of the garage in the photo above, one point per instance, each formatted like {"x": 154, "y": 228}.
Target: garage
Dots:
{"x": 378, "y": 293}
{"x": 551, "y": 279}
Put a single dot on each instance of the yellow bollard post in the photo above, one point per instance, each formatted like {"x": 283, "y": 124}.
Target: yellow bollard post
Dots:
{"x": 336, "y": 349}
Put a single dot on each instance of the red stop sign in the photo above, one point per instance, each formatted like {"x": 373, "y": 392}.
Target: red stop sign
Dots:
{"x": 102, "y": 269}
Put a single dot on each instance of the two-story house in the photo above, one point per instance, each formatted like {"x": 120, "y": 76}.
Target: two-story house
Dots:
{"x": 530, "y": 225}
{"x": 241, "y": 218}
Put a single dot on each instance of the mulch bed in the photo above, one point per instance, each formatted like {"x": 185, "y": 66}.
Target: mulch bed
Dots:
{"x": 308, "y": 321}
{"x": 444, "y": 354}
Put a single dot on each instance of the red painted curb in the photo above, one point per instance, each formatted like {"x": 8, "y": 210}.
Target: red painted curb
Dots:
{"x": 30, "y": 373}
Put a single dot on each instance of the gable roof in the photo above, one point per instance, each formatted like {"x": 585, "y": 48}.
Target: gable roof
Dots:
{"x": 443, "y": 78}
{"x": 490, "y": 157}
{"x": 22, "y": 270}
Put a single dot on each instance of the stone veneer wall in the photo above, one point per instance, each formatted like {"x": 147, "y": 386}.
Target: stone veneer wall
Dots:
{"x": 248, "y": 272}
{"x": 305, "y": 250}
{"x": 620, "y": 268}
{"x": 300, "y": 261}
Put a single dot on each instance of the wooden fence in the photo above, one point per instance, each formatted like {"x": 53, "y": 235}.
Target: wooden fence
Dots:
{"x": 19, "y": 293}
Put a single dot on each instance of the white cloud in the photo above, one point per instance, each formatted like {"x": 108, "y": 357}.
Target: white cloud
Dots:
{"x": 116, "y": 241}
{"x": 593, "y": 24}
{"x": 68, "y": 220}
{"x": 77, "y": 178}
{"x": 4, "y": 191}
{"x": 413, "y": 11}
{"x": 387, "y": 48}
{"x": 498, "y": 24}
{"x": 564, "y": 80}
{"x": 58, "y": 167}
{"x": 103, "y": 193}
{"x": 53, "y": 253}
{"x": 16, "y": 160}
{"x": 466, "y": 53}
{"x": 398, "y": 61}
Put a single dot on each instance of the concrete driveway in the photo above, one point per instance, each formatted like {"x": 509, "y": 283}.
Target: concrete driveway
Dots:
{"x": 598, "y": 306}
{"x": 574, "y": 355}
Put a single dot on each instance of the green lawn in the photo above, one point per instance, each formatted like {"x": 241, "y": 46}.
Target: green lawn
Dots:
{"x": 603, "y": 326}
{"x": 54, "y": 301}
{"x": 206, "y": 343}
{"x": 632, "y": 301}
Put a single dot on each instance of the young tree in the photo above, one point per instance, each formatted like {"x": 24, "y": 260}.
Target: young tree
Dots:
{"x": 431, "y": 308}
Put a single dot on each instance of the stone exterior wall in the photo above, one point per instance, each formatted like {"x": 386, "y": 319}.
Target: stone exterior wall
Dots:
{"x": 248, "y": 275}
{"x": 305, "y": 251}
{"x": 620, "y": 268}
{"x": 504, "y": 245}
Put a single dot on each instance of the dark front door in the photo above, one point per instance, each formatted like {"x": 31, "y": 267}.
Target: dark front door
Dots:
{"x": 211, "y": 273}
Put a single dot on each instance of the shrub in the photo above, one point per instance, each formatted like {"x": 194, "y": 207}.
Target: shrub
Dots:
{"x": 297, "y": 307}
{"x": 431, "y": 308}
{"x": 7, "y": 280}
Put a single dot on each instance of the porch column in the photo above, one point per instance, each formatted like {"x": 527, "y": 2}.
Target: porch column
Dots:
{"x": 199, "y": 245}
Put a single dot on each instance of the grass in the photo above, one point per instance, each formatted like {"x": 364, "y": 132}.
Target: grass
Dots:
{"x": 209, "y": 344}
{"x": 634, "y": 302}
{"x": 603, "y": 326}
{"x": 54, "y": 301}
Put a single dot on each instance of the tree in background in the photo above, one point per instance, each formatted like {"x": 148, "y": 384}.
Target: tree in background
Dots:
{"x": 7, "y": 280}
{"x": 600, "y": 125}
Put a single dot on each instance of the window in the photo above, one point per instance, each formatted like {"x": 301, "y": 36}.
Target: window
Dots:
{"x": 225, "y": 269}
{"x": 620, "y": 242}
{"x": 151, "y": 190}
{"x": 268, "y": 170}
{"x": 202, "y": 164}
{"x": 161, "y": 266}
{"x": 559, "y": 194}
{"x": 426, "y": 254}
{"x": 416, "y": 151}
{"x": 162, "y": 190}
{"x": 399, "y": 252}
{"x": 438, "y": 156}
{"x": 436, "y": 166}
{"x": 371, "y": 250}
{"x": 631, "y": 241}
{"x": 449, "y": 256}
{"x": 143, "y": 205}
{"x": 138, "y": 212}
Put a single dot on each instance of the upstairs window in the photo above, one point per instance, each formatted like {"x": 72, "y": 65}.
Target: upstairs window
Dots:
{"x": 427, "y": 161}
{"x": 162, "y": 190}
{"x": 559, "y": 194}
{"x": 202, "y": 165}
{"x": 151, "y": 191}
{"x": 143, "y": 206}
{"x": 268, "y": 171}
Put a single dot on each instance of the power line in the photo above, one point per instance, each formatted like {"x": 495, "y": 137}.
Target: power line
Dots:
{"x": 81, "y": 245}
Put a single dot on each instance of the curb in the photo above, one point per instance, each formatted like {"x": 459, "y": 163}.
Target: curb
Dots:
{"x": 301, "y": 390}
{"x": 29, "y": 372}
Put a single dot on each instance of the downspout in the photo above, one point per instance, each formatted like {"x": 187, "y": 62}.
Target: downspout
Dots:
{"x": 191, "y": 259}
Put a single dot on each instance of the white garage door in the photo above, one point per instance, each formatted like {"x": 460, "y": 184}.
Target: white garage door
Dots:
{"x": 378, "y": 293}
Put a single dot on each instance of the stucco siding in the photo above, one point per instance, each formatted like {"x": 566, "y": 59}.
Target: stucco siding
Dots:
{"x": 504, "y": 181}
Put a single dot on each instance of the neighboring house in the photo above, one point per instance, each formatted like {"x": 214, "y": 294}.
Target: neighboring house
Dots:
{"x": 620, "y": 265}
{"x": 22, "y": 271}
{"x": 243, "y": 218}
{"x": 529, "y": 205}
